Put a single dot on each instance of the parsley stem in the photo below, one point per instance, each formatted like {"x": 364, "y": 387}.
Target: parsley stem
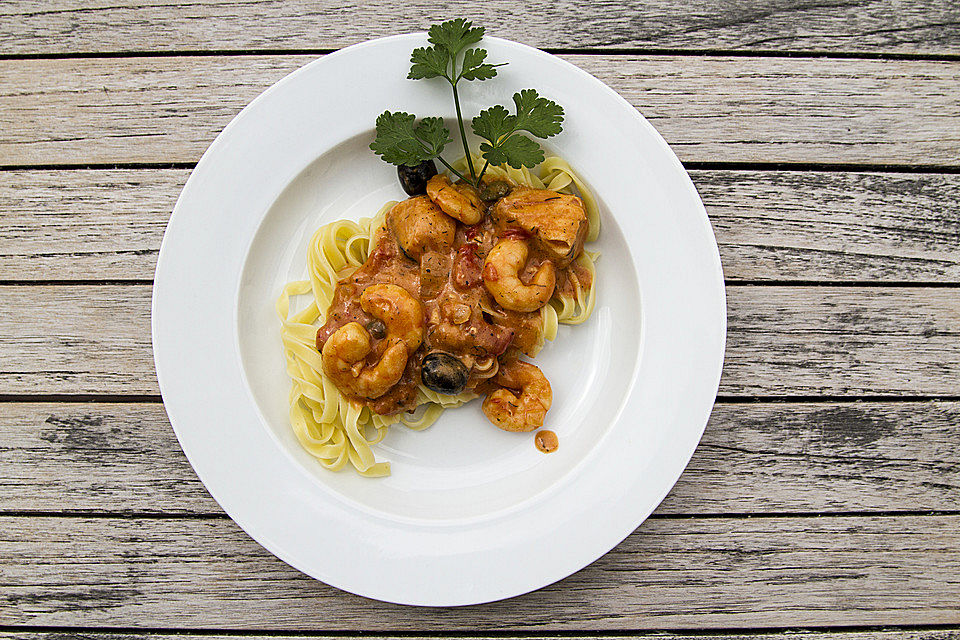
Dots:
{"x": 463, "y": 136}
{"x": 482, "y": 171}
{"x": 447, "y": 165}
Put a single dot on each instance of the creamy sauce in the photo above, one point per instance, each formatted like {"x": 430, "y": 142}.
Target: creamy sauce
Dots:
{"x": 546, "y": 441}
{"x": 462, "y": 318}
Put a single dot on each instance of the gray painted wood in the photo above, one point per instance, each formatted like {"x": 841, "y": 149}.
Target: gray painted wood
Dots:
{"x": 753, "y": 458}
{"x": 88, "y": 339}
{"x": 710, "y": 109}
{"x": 770, "y": 225}
{"x": 847, "y": 227}
{"x": 68, "y": 26}
{"x": 782, "y": 341}
{"x": 921, "y": 634}
{"x": 690, "y": 573}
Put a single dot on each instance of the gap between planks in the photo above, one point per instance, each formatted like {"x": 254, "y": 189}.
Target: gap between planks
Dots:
{"x": 690, "y": 165}
{"x": 93, "y": 398}
{"x": 847, "y": 632}
{"x": 728, "y": 282}
{"x": 746, "y": 515}
{"x": 561, "y": 51}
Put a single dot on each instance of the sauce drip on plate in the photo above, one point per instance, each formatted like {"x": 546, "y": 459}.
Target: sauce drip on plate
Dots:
{"x": 546, "y": 441}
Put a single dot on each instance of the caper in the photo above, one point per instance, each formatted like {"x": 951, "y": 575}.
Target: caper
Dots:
{"x": 414, "y": 179}
{"x": 377, "y": 329}
{"x": 494, "y": 190}
{"x": 443, "y": 373}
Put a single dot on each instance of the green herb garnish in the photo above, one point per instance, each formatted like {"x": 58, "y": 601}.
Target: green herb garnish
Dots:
{"x": 402, "y": 141}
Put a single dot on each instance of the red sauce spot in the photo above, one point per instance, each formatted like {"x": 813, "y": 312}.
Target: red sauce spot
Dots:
{"x": 324, "y": 333}
{"x": 501, "y": 339}
{"x": 490, "y": 273}
{"x": 383, "y": 251}
{"x": 468, "y": 250}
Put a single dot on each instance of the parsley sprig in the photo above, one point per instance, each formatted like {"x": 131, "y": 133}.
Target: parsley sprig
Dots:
{"x": 451, "y": 56}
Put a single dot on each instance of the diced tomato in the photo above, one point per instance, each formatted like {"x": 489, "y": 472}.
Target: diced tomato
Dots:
{"x": 514, "y": 234}
{"x": 466, "y": 269}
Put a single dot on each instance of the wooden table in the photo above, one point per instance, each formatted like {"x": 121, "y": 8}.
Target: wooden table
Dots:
{"x": 824, "y": 138}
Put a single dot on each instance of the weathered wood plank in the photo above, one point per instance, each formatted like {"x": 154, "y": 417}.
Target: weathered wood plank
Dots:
{"x": 840, "y": 341}
{"x": 670, "y": 574}
{"x": 85, "y": 339}
{"x": 771, "y": 225}
{"x": 84, "y": 225}
{"x": 854, "y": 227}
{"x": 169, "y": 109}
{"x": 95, "y": 457}
{"x": 69, "y": 26}
{"x": 753, "y": 458}
{"x": 781, "y": 341}
{"x": 923, "y": 634}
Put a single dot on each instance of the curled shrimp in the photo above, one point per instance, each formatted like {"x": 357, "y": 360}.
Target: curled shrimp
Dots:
{"x": 345, "y": 352}
{"x": 524, "y": 412}
{"x": 398, "y": 310}
{"x": 460, "y": 201}
{"x": 344, "y": 360}
{"x": 501, "y": 276}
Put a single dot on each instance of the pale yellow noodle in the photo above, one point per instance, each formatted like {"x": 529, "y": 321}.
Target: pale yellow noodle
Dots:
{"x": 335, "y": 429}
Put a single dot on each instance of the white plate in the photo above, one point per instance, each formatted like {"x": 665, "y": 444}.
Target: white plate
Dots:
{"x": 470, "y": 514}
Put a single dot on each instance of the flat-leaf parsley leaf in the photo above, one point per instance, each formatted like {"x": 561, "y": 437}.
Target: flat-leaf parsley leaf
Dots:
{"x": 501, "y": 130}
{"x": 400, "y": 141}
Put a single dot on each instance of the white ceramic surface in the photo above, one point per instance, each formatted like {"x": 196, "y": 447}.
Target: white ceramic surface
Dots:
{"x": 470, "y": 513}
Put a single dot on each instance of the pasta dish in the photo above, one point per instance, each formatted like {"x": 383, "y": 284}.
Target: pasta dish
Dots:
{"x": 433, "y": 302}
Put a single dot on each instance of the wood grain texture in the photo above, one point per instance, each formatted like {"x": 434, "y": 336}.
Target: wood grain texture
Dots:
{"x": 922, "y": 634}
{"x": 753, "y": 458}
{"x": 684, "y": 570}
{"x": 85, "y": 225}
{"x": 713, "y": 109}
{"x": 89, "y": 339}
{"x": 845, "y": 227}
{"x": 69, "y": 26}
{"x": 670, "y": 574}
{"x": 840, "y": 341}
{"x": 781, "y": 341}
{"x": 770, "y": 225}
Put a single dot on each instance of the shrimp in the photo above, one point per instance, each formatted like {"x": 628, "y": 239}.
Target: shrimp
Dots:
{"x": 525, "y": 412}
{"x": 501, "y": 276}
{"x": 460, "y": 201}
{"x": 400, "y": 312}
{"x": 344, "y": 360}
{"x": 420, "y": 226}
{"x": 345, "y": 352}
{"x": 557, "y": 221}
